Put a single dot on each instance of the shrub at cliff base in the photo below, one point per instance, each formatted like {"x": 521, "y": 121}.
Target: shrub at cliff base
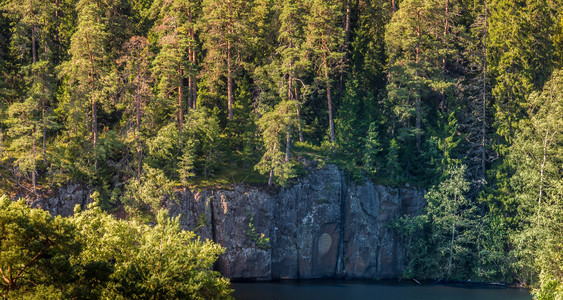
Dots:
{"x": 93, "y": 255}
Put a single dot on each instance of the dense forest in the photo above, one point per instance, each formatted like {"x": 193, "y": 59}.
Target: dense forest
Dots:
{"x": 463, "y": 98}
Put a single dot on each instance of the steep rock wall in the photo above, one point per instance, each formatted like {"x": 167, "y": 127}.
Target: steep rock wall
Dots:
{"x": 319, "y": 227}
{"x": 322, "y": 226}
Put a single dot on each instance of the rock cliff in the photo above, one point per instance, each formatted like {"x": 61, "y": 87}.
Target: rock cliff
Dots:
{"x": 322, "y": 226}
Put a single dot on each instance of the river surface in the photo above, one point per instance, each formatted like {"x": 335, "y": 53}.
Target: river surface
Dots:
{"x": 350, "y": 290}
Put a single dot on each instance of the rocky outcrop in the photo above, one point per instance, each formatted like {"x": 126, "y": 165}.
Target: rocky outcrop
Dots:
{"x": 64, "y": 201}
{"x": 321, "y": 226}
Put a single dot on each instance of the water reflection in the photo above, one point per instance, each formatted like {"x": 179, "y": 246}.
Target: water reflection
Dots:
{"x": 349, "y": 290}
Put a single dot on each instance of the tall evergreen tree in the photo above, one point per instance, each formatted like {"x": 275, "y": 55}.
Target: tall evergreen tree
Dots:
{"x": 325, "y": 39}
{"x": 224, "y": 26}
{"x": 137, "y": 78}
{"x": 32, "y": 42}
{"x": 176, "y": 59}
{"x": 521, "y": 56}
{"x": 87, "y": 70}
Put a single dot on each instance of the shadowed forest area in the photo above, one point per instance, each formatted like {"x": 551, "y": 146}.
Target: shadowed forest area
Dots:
{"x": 142, "y": 98}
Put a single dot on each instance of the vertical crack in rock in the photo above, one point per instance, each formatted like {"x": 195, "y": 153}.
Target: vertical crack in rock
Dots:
{"x": 213, "y": 220}
{"x": 340, "y": 261}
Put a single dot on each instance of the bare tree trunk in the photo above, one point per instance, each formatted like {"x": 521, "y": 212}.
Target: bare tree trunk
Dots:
{"x": 180, "y": 99}
{"x": 328, "y": 95}
{"x": 450, "y": 262}
{"x": 298, "y": 116}
{"x": 34, "y": 155}
{"x": 229, "y": 82}
{"x": 418, "y": 111}
{"x": 138, "y": 131}
{"x": 192, "y": 57}
{"x": 287, "y": 145}
{"x": 542, "y": 169}
{"x": 271, "y": 178}
{"x": 194, "y": 80}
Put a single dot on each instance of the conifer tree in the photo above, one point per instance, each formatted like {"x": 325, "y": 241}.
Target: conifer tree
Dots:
{"x": 274, "y": 126}
{"x": 137, "y": 93}
{"x": 32, "y": 43}
{"x": 176, "y": 59}
{"x": 325, "y": 38}
{"x": 87, "y": 70}
{"x": 224, "y": 26}
{"x": 521, "y": 56}
{"x": 537, "y": 183}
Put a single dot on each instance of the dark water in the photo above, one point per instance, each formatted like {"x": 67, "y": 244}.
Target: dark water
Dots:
{"x": 349, "y": 290}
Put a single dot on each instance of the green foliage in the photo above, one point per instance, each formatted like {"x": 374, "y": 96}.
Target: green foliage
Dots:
{"x": 144, "y": 196}
{"x": 93, "y": 255}
{"x": 440, "y": 242}
{"x": 160, "y": 262}
{"x": 276, "y": 125}
{"x": 259, "y": 240}
{"x": 371, "y": 150}
{"x": 139, "y": 99}
{"x": 538, "y": 185}
{"x": 35, "y": 250}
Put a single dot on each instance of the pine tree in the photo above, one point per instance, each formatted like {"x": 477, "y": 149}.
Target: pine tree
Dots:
{"x": 87, "y": 71}
{"x": 137, "y": 93}
{"x": 418, "y": 51}
{"x": 32, "y": 33}
{"x": 224, "y": 25}
{"x": 176, "y": 59}
{"x": 325, "y": 38}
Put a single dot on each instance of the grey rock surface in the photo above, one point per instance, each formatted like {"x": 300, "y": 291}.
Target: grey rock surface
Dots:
{"x": 319, "y": 227}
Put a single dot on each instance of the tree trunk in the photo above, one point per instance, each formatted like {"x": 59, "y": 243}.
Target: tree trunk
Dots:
{"x": 450, "y": 262}
{"x": 328, "y": 95}
{"x": 34, "y": 155}
{"x": 93, "y": 100}
{"x": 271, "y": 178}
{"x": 190, "y": 94}
{"x": 44, "y": 130}
{"x": 298, "y": 116}
{"x": 192, "y": 58}
{"x": 287, "y": 145}
{"x": 229, "y": 82}
{"x": 418, "y": 125}
{"x": 33, "y": 50}
{"x": 418, "y": 111}
{"x": 194, "y": 79}
{"x": 542, "y": 168}
{"x": 445, "y": 41}
{"x": 180, "y": 99}
{"x": 138, "y": 131}
{"x": 94, "y": 125}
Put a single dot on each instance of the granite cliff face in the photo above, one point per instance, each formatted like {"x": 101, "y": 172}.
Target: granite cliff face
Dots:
{"x": 320, "y": 227}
